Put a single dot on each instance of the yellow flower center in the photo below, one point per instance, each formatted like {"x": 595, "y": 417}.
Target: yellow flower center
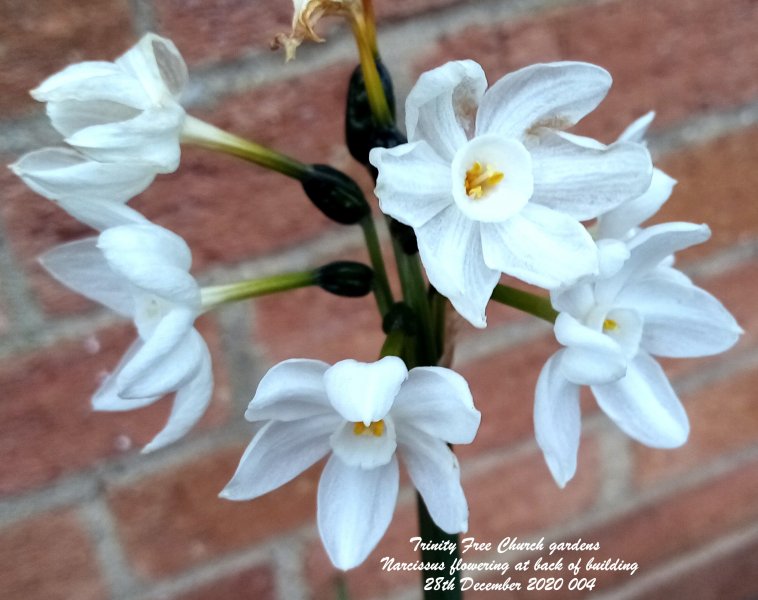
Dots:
{"x": 610, "y": 325}
{"x": 376, "y": 428}
{"x": 479, "y": 180}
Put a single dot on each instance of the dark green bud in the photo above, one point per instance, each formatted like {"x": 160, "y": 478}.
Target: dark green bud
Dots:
{"x": 400, "y": 317}
{"x": 361, "y": 132}
{"x": 405, "y": 236}
{"x": 335, "y": 194}
{"x": 345, "y": 278}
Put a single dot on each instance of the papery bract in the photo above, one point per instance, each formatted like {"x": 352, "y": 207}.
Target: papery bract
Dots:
{"x": 492, "y": 185}
{"x": 610, "y": 327}
{"x": 363, "y": 415}
{"x": 141, "y": 271}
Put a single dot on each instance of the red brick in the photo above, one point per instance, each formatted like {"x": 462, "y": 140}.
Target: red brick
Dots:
{"x": 39, "y": 39}
{"x": 731, "y": 576}
{"x": 716, "y": 183}
{"x": 678, "y": 523}
{"x": 49, "y": 557}
{"x": 255, "y": 583}
{"x": 173, "y": 520}
{"x": 664, "y": 56}
{"x": 47, "y": 427}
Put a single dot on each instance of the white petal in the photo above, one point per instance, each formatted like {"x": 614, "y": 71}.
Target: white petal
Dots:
{"x": 369, "y": 449}
{"x": 92, "y": 81}
{"x": 364, "y": 392}
{"x": 438, "y": 402}
{"x": 106, "y": 397}
{"x": 355, "y": 508}
{"x": 82, "y": 267}
{"x": 413, "y": 184}
{"x": 157, "y": 64}
{"x": 71, "y": 116}
{"x": 450, "y": 247}
{"x": 293, "y": 389}
{"x": 102, "y": 214}
{"x": 152, "y": 137}
{"x": 557, "y": 420}
{"x": 618, "y": 222}
{"x": 647, "y": 250}
{"x": 278, "y": 453}
{"x": 553, "y": 95}
{"x": 441, "y": 106}
{"x": 434, "y": 471}
{"x": 540, "y": 246}
{"x": 586, "y": 182}
{"x": 680, "y": 319}
{"x": 644, "y": 405}
{"x": 152, "y": 258}
{"x": 590, "y": 356}
{"x": 612, "y": 254}
{"x": 577, "y": 299}
{"x": 638, "y": 129}
{"x": 167, "y": 336}
{"x": 171, "y": 372}
{"x": 190, "y": 403}
{"x": 60, "y": 173}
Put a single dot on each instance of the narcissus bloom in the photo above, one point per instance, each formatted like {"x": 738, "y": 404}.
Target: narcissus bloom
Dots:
{"x": 364, "y": 415}
{"x": 142, "y": 272}
{"x": 610, "y": 327}
{"x": 491, "y": 184}
{"x": 122, "y": 111}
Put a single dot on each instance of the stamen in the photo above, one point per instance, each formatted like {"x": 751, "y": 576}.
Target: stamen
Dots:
{"x": 610, "y": 325}
{"x": 480, "y": 179}
{"x": 376, "y": 428}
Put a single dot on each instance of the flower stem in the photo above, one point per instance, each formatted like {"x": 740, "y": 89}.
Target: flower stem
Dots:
{"x": 200, "y": 133}
{"x": 368, "y": 54}
{"x": 382, "y": 290}
{"x": 526, "y": 302}
{"x": 252, "y": 288}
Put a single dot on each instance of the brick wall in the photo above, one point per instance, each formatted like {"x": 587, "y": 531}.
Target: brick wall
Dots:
{"x": 84, "y": 516}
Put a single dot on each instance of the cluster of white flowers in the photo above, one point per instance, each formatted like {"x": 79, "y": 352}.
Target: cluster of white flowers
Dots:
{"x": 491, "y": 184}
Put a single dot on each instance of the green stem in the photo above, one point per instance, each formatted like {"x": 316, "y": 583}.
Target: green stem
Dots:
{"x": 252, "y": 288}
{"x": 200, "y": 133}
{"x": 377, "y": 99}
{"x": 526, "y": 302}
{"x": 382, "y": 290}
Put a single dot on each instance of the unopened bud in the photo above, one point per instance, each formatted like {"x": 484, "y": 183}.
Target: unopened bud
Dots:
{"x": 335, "y": 194}
{"x": 345, "y": 278}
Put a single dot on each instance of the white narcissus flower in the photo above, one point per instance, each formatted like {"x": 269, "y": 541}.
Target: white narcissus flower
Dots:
{"x": 610, "y": 327}
{"x": 122, "y": 111}
{"x": 491, "y": 184}
{"x": 142, "y": 271}
{"x": 364, "y": 414}
{"x": 93, "y": 192}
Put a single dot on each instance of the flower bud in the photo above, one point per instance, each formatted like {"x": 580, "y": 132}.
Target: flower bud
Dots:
{"x": 335, "y": 194}
{"x": 400, "y": 317}
{"x": 345, "y": 278}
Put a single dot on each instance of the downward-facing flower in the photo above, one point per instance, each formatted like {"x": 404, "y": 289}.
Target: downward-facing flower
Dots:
{"x": 610, "y": 328}
{"x": 141, "y": 272}
{"x": 93, "y": 192}
{"x": 364, "y": 415}
{"x": 491, "y": 184}
{"x": 126, "y": 110}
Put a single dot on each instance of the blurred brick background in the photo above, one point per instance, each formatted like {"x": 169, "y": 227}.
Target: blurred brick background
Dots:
{"x": 84, "y": 516}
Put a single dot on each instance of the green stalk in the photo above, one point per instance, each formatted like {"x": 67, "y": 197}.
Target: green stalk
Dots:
{"x": 213, "y": 296}
{"x": 382, "y": 290}
{"x": 525, "y": 302}
{"x": 377, "y": 99}
{"x": 200, "y": 133}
